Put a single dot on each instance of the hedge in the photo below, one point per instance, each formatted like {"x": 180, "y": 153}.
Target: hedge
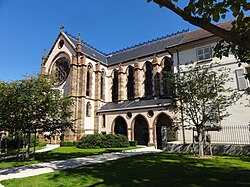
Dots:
{"x": 68, "y": 144}
{"x": 103, "y": 141}
{"x": 132, "y": 143}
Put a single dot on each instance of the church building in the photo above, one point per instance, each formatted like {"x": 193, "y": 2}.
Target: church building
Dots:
{"x": 128, "y": 91}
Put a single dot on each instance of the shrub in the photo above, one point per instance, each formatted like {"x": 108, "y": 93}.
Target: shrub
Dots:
{"x": 42, "y": 144}
{"x": 68, "y": 144}
{"x": 103, "y": 141}
{"x": 12, "y": 143}
{"x": 132, "y": 143}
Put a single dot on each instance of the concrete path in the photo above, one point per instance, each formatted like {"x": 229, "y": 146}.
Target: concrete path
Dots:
{"x": 48, "y": 147}
{"x": 47, "y": 167}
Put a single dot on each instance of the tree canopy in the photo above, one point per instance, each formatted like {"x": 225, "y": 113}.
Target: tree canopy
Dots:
{"x": 206, "y": 13}
{"x": 203, "y": 97}
{"x": 32, "y": 104}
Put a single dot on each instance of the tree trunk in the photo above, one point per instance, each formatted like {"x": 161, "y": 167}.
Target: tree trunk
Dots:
{"x": 34, "y": 155}
{"x": 18, "y": 146}
{"x": 6, "y": 146}
{"x": 201, "y": 142}
{"x": 23, "y": 141}
{"x": 27, "y": 154}
{"x": 0, "y": 145}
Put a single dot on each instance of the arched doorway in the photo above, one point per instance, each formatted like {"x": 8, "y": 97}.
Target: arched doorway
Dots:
{"x": 120, "y": 126}
{"x": 165, "y": 132}
{"x": 141, "y": 134}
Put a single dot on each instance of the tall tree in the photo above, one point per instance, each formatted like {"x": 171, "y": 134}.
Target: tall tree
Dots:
{"x": 204, "y": 13}
{"x": 33, "y": 104}
{"x": 203, "y": 98}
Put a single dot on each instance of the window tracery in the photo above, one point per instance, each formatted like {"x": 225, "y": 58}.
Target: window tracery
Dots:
{"x": 60, "y": 70}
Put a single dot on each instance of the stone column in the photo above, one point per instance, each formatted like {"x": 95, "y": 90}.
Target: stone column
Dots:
{"x": 97, "y": 81}
{"x": 151, "y": 137}
{"x": 73, "y": 74}
{"x": 69, "y": 136}
{"x": 137, "y": 79}
{"x": 82, "y": 94}
{"x": 84, "y": 76}
{"x": 80, "y": 66}
{"x": 121, "y": 83}
{"x": 156, "y": 77}
{"x": 129, "y": 134}
{"x": 97, "y": 94}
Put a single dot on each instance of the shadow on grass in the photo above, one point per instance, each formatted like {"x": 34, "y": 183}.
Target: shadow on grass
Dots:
{"x": 161, "y": 170}
{"x": 62, "y": 153}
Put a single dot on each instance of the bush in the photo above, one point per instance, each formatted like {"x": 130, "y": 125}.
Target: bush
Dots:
{"x": 68, "y": 144}
{"x": 42, "y": 144}
{"x": 12, "y": 143}
{"x": 103, "y": 141}
{"x": 132, "y": 143}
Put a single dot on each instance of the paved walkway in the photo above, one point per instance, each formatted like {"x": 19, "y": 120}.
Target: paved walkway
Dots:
{"x": 47, "y": 167}
{"x": 48, "y": 147}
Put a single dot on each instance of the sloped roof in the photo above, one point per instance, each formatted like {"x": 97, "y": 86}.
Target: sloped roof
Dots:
{"x": 88, "y": 50}
{"x": 146, "y": 48}
{"x": 201, "y": 33}
{"x": 149, "y": 48}
{"x": 132, "y": 105}
{"x": 134, "y": 52}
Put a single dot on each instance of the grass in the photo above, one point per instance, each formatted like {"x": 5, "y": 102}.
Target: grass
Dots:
{"x": 14, "y": 152}
{"x": 148, "y": 170}
{"x": 60, "y": 153}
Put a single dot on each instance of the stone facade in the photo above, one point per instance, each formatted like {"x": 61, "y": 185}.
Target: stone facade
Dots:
{"x": 124, "y": 92}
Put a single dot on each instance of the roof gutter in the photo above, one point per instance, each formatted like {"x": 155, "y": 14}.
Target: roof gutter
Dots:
{"x": 133, "y": 108}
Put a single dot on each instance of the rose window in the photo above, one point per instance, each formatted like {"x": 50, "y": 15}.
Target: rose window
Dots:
{"x": 61, "y": 70}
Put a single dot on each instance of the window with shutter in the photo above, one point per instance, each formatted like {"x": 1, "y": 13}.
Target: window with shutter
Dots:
{"x": 240, "y": 77}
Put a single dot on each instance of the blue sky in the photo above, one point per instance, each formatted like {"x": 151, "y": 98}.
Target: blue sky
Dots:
{"x": 29, "y": 26}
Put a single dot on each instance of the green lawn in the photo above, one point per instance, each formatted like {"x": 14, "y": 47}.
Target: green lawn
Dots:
{"x": 14, "y": 152}
{"x": 60, "y": 153}
{"x": 152, "y": 170}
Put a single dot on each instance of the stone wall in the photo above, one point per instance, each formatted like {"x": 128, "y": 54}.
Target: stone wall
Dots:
{"x": 217, "y": 149}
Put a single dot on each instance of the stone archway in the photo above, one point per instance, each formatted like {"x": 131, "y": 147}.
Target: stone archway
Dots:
{"x": 120, "y": 126}
{"x": 165, "y": 132}
{"x": 141, "y": 131}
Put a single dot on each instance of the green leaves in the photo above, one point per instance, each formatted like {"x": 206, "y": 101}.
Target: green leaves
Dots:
{"x": 203, "y": 95}
{"x": 33, "y": 103}
{"x": 203, "y": 13}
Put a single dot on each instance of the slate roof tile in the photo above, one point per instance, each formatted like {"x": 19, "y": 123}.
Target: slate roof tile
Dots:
{"x": 147, "y": 48}
{"x": 126, "y": 105}
{"x": 201, "y": 33}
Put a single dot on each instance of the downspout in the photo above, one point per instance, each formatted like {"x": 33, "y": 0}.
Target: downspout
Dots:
{"x": 182, "y": 116}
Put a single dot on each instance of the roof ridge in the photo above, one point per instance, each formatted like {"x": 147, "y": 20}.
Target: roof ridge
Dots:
{"x": 133, "y": 46}
{"x": 150, "y": 41}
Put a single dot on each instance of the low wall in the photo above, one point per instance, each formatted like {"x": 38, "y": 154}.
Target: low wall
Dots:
{"x": 217, "y": 149}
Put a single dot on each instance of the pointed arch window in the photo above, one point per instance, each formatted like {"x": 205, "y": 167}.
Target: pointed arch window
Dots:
{"x": 88, "y": 109}
{"x": 102, "y": 85}
{"x": 89, "y": 80}
{"x": 130, "y": 83}
{"x": 157, "y": 87}
{"x": 167, "y": 75}
{"x": 115, "y": 86}
{"x": 148, "y": 80}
